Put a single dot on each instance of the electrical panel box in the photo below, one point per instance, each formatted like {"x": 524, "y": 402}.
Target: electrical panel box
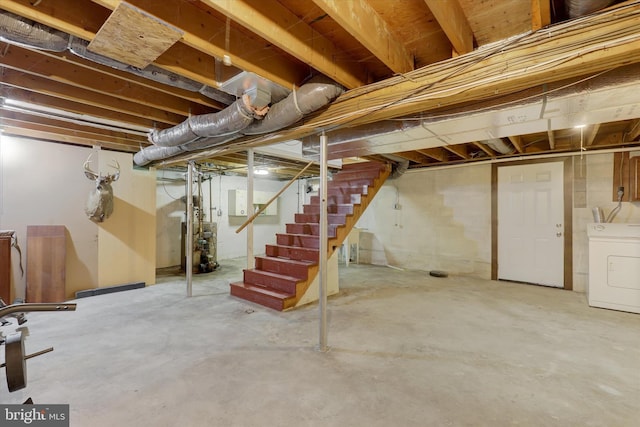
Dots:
{"x": 238, "y": 203}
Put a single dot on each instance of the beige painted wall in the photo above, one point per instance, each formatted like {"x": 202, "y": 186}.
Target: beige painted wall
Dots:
{"x": 44, "y": 184}
{"x": 127, "y": 240}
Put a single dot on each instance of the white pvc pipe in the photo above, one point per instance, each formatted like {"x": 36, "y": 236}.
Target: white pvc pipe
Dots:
{"x": 324, "y": 237}
{"x": 250, "y": 256}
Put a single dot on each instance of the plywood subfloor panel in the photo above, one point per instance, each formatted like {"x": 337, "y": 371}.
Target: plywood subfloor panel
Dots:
{"x": 46, "y": 257}
{"x": 134, "y": 37}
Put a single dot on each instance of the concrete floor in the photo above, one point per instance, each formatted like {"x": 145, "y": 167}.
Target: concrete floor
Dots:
{"x": 406, "y": 350}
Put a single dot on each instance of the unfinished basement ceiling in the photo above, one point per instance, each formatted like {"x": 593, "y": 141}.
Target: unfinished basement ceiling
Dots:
{"x": 394, "y": 58}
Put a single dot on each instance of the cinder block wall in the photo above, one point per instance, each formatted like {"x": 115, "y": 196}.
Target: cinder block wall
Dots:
{"x": 443, "y": 221}
{"x": 432, "y": 220}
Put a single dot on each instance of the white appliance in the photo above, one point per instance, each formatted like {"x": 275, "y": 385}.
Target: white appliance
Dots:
{"x": 614, "y": 266}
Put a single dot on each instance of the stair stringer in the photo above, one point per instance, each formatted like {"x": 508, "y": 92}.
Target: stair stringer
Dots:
{"x": 311, "y": 285}
{"x": 312, "y": 293}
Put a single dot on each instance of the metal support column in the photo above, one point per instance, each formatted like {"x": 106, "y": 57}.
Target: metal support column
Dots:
{"x": 250, "y": 257}
{"x": 324, "y": 239}
{"x": 189, "y": 249}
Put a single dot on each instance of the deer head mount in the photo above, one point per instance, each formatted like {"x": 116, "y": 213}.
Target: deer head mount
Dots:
{"x": 100, "y": 202}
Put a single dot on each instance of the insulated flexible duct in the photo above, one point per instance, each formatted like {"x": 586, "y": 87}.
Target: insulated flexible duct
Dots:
{"x": 235, "y": 117}
{"x": 26, "y": 33}
{"x": 310, "y": 97}
{"x": 576, "y": 8}
{"x": 181, "y": 138}
{"x": 499, "y": 145}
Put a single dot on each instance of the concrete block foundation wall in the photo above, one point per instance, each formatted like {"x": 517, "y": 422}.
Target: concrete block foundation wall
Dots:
{"x": 440, "y": 219}
{"x": 432, "y": 220}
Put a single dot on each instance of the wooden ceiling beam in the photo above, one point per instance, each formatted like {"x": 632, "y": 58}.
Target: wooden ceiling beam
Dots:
{"x": 484, "y": 147}
{"x": 454, "y": 23}
{"x": 632, "y": 131}
{"x": 38, "y": 99}
{"x": 459, "y": 150}
{"x": 365, "y": 25}
{"x": 592, "y": 132}
{"x": 540, "y": 14}
{"x": 65, "y": 132}
{"x": 83, "y": 19}
{"x": 436, "y": 153}
{"x": 45, "y": 86}
{"x": 552, "y": 139}
{"x": 243, "y": 51}
{"x": 279, "y": 26}
{"x": 33, "y": 62}
{"x": 516, "y": 140}
{"x": 438, "y": 86}
{"x": 191, "y": 96}
{"x": 414, "y": 156}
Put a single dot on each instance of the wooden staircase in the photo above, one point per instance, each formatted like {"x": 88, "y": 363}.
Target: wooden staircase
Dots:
{"x": 281, "y": 277}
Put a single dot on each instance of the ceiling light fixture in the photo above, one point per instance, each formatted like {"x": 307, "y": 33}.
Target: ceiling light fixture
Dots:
{"x": 260, "y": 171}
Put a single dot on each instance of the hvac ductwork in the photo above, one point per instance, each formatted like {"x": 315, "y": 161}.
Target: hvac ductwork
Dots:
{"x": 499, "y": 145}
{"x": 232, "y": 119}
{"x": 235, "y": 121}
{"x": 576, "y": 8}
{"x": 23, "y": 32}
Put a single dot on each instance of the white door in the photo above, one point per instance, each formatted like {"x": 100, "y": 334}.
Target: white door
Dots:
{"x": 530, "y": 223}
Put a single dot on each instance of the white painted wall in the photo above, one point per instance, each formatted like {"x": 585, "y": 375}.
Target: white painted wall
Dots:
{"x": 44, "y": 184}
{"x": 171, "y": 212}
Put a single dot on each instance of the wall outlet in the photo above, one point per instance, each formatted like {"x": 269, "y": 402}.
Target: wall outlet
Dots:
{"x": 397, "y": 206}
{"x": 219, "y": 211}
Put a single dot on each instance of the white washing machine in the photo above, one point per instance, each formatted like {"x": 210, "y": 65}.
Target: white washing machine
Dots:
{"x": 614, "y": 266}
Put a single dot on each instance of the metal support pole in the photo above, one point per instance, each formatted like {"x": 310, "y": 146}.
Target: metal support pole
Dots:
{"x": 324, "y": 239}
{"x": 189, "y": 243}
{"x": 250, "y": 257}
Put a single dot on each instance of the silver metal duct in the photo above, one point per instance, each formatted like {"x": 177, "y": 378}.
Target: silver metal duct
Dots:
{"x": 23, "y": 32}
{"x": 398, "y": 169}
{"x": 232, "y": 119}
{"x": 310, "y": 97}
{"x": 311, "y": 147}
{"x": 576, "y": 8}
{"x": 499, "y": 145}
